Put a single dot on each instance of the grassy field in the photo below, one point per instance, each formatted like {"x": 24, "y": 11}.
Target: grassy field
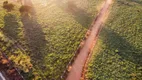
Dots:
{"x": 50, "y": 35}
{"x": 118, "y": 53}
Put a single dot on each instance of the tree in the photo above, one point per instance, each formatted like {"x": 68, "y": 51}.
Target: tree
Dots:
{"x": 8, "y": 6}
{"x": 25, "y": 9}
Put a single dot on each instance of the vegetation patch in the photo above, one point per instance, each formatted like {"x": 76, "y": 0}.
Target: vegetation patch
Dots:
{"x": 47, "y": 37}
{"x": 118, "y": 53}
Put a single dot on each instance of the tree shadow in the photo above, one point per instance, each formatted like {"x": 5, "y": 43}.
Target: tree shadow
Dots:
{"x": 35, "y": 37}
{"x": 80, "y": 15}
{"x": 11, "y": 26}
{"x": 35, "y": 40}
{"x": 126, "y": 50}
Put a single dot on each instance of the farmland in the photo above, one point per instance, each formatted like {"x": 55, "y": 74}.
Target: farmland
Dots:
{"x": 47, "y": 38}
{"x": 118, "y": 52}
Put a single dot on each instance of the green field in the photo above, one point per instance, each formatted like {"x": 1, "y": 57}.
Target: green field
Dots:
{"x": 118, "y": 52}
{"x": 48, "y": 37}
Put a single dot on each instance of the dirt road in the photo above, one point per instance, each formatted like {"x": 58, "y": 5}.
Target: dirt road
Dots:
{"x": 77, "y": 67}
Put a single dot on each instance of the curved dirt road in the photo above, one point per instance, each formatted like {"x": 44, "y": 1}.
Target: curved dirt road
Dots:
{"x": 77, "y": 67}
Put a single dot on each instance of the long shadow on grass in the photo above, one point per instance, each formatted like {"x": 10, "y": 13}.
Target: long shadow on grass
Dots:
{"x": 125, "y": 49}
{"x": 36, "y": 41}
{"x": 11, "y": 25}
{"x": 79, "y": 14}
{"x": 34, "y": 37}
